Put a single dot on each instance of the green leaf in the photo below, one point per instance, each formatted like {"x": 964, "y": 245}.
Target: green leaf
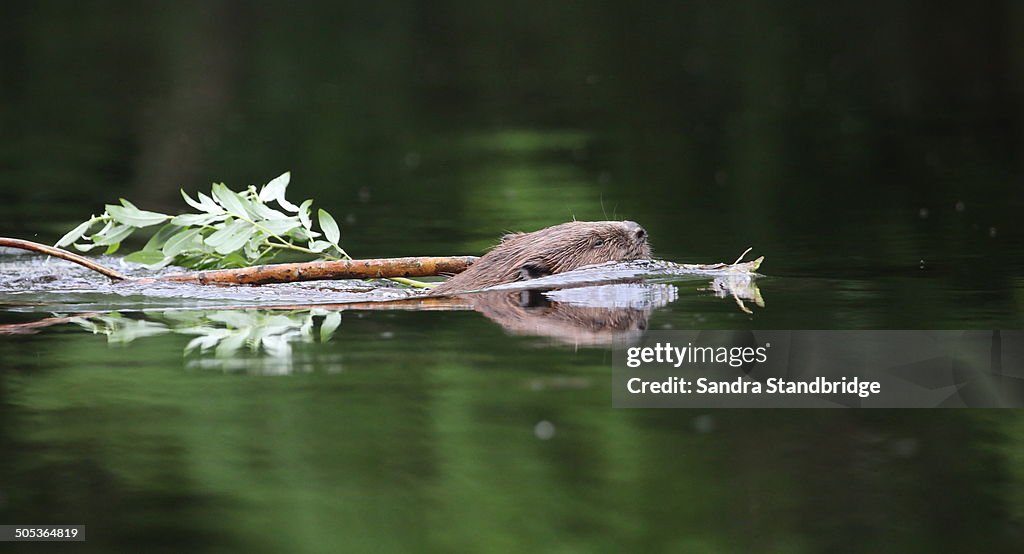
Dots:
{"x": 284, "y": 203}
{"x": 106, "y": 229}
{"x": 209, "y": 204}
{"x": 205, "y": 203}
{"x": 301, "y": 234}
{"x": 189, "y": 220}
{"x": 84, "y": 247}
{"x": 75, "y": 233}
{"x": 150, "y": 259}
{"x": 230, "y": 200}
{"x": 266, "y": 213}
{"x": 319, "y": 245}
{"x": 304, "y": 214}
{"x": 279, "y": 226}
{"x": 230, "y": 238}
{"x": 112, "y": 248}
{"x": 275, "y": 190}
{"x": 234, "y": 260}
{"x": 145, "y": 257}
{"x": 161, "y": 236}
{"x": 189, "y": 201}
{"x": 182, "y": 241}
{"x": 130, "y": 215}
{"x": 114, "y": 235}
{"x": 329, "y": 226}
{"x": 253, "y": 247}
{"x": 159, "y": 265}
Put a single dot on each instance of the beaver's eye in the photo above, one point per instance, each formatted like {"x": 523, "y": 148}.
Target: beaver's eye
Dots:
{"x": 598, "y": 243}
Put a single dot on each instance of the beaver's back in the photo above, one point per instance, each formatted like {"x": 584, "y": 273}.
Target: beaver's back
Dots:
{"x": 551, "y": 250}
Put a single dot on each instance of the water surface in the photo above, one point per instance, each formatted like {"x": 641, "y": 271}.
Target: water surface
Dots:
{"x": 871, "y": 154}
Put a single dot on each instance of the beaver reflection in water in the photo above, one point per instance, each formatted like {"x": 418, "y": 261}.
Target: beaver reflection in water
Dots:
{"x": 531, "y": 313}
{"x": 522, "y": 256}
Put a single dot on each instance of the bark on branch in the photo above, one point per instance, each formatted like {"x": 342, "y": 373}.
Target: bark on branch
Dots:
{"x": 317, "y": 271}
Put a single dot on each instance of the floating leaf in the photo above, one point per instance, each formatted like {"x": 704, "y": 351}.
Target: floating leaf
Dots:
{"x": 329, "y": 226}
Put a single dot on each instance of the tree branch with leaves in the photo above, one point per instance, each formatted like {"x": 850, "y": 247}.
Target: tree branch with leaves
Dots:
{"x": 228, "y": 230}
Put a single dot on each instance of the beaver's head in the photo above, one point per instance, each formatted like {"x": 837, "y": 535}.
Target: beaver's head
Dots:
{"x": 575, "y": 244}
{"x": 552, "y": 250}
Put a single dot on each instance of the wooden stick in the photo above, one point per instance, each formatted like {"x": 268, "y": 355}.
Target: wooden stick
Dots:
{"x": 317, "y": 271}
{"x": 62, "y": 254}
{"x": 381, "y": 268}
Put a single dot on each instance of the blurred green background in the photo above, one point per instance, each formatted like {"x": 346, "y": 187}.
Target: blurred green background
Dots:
{"x": 812, "y": 132}
{"x": 870, "y": 150}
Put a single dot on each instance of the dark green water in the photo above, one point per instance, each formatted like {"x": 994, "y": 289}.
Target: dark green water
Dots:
{"x": 871, "y": 153}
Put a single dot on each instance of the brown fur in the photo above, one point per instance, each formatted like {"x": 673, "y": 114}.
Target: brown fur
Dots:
{"x": 552, "y": 250}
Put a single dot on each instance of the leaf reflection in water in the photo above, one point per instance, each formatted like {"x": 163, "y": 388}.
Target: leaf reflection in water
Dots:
{"x": 221, "y": 335}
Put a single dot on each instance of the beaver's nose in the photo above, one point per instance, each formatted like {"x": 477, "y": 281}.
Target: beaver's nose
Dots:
{"x": 634, "y": 229}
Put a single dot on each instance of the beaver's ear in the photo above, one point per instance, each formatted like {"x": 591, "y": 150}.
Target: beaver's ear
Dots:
{"x": 510, "y": 236}
{"x": 533, "y": 270}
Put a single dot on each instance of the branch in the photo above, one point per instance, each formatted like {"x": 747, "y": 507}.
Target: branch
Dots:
{"x": 382, "y": 268}
{"x": 62, "y": 254}
{"x": 316, "y": 271}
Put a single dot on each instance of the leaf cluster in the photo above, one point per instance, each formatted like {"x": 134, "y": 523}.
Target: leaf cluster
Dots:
{"x": 224, "y": 332}
{"x": 228, "y": 229}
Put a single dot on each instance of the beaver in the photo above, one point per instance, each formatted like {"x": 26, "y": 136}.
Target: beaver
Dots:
{"x": 522, "y": 256}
